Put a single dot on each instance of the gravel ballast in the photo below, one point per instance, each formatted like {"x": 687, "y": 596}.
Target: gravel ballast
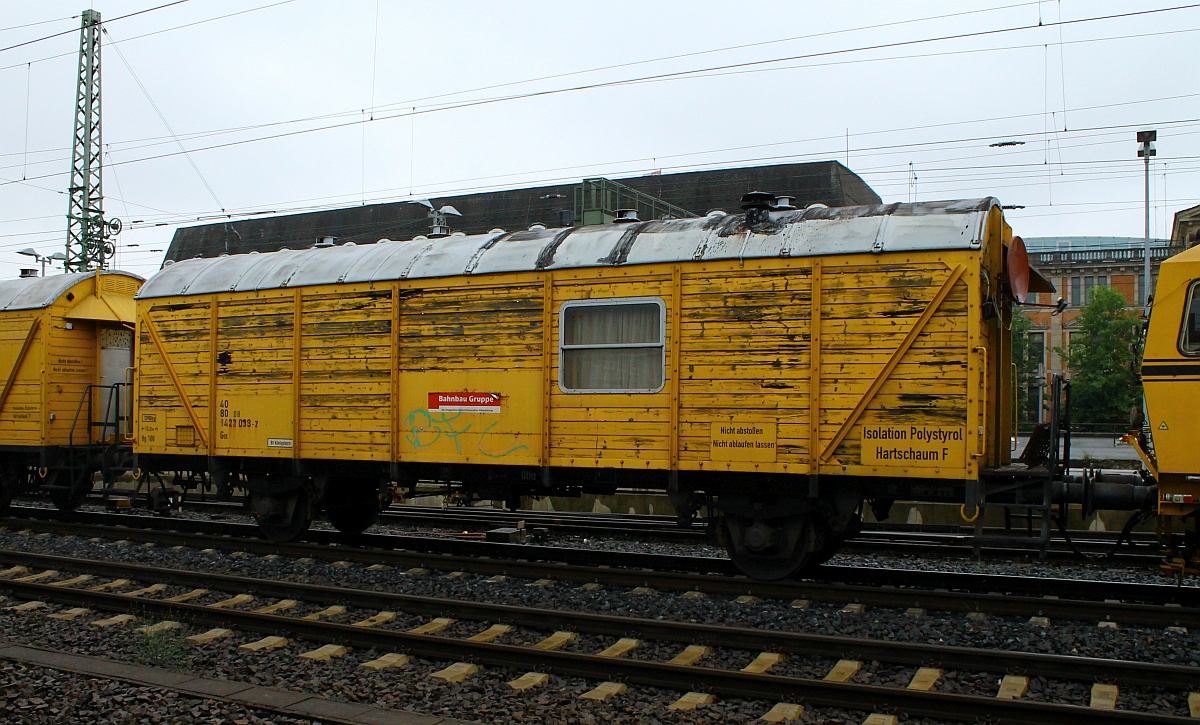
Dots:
{"x": 486, "y": 696}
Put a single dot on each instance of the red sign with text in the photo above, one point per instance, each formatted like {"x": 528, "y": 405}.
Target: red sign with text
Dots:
{"x": 464, "y": 402}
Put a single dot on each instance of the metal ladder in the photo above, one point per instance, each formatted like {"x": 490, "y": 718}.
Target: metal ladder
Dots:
{"x": 1029, "y": 499}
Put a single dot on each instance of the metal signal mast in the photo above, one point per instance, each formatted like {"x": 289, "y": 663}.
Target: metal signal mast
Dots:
{"x": 88, "y": 243}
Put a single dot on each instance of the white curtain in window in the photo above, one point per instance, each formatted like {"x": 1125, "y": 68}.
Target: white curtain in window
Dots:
{"x": 603, "y": 362}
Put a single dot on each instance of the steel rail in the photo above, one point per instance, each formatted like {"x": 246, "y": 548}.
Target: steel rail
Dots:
{"x": 923, "y": 541}
{"x": 932, "y": 539}
{"x": 882, "y": 592}
{"x": 966, "y": 708}
{"x": 720, "y": 573}
{"x": 1060, "y": 667}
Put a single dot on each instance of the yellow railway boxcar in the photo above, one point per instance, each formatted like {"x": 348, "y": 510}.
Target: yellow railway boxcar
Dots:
{"x": 784, "y": 365}
{"x": 66, "y": 353}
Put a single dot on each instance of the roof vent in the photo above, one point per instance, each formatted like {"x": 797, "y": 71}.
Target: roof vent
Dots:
{"x": 28, "y": 273}
{"x": 783, "y": 203}
{"x": 325, "y": 241}
{"x": 715, "y": 213}
{"x": 420, "y": 237}
{"x": 625, "y": 216}
{"x": 757, "y": 205}
{"x": 458, "y": 234}
{"x": 817, "y": 205}
{"x": 536, "y": 227}
{"x": 437, "y": 231}
{"x": 496, "y": 230}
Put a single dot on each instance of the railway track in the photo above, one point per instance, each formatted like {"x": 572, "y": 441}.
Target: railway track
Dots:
{"x": 539, "y": 635}
{"x": 1070, "y": 599}
{"x": 1140, "y": 550}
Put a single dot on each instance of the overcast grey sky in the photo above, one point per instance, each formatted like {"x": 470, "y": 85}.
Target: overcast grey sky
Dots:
{"x": 306, "y": 104}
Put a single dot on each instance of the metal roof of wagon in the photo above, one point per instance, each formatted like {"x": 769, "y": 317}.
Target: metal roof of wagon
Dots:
{"x": 36, "y": 293}
{"x": 882, "y": 228}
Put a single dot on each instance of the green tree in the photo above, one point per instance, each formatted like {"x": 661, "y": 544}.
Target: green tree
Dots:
{"x": 1028, "y": 361}
{"x": 1103, "y": 356}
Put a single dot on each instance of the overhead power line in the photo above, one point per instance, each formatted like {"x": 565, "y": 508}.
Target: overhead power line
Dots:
{"x": 159, "y": 32}
{"x": 165, "y": 123}
{"x": 691, "y": 73}
{"x": 40, "y": 22}
{"x": 533, "y": 94}
{"x": 110, "y": 20}
{"x": 358, "y": 114}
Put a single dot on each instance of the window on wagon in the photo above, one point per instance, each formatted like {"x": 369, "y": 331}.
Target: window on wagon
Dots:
{"x": 1189, "y": 339}
{"x": 612, "y": 346}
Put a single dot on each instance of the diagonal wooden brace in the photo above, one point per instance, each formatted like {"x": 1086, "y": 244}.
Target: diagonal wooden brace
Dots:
{"x": 148, "y": 324}
{"x": 893, "y": 361}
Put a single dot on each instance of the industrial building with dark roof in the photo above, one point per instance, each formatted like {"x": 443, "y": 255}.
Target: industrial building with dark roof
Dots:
{"x": 593, "y": 201}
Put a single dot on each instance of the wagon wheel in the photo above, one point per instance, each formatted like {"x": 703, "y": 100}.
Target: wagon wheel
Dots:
{"x": 769, "y": 550}
{"x": 353, "y": 519}
{"x": 828, "y": 544}
{"x": 76, "y": 486}
{"x": 282, "y": 517}
{"x": 8, "y": 486}
{"x": 352, "y": 504}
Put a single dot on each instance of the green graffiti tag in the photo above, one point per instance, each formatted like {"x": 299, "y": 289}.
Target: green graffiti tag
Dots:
{"x": 423, "y": 428}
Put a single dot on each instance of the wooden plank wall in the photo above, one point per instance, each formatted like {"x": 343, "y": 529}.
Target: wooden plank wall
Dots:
{"x": 745, "y": 353}
{"x": 867, "y": 309}
{"x": 345, "y": 381}
{"x": 184, "y": 328}
{"x": 480, "y": 336}
{"x": 617, "y": 430}
{"x": 21, "y": 417}
{"x": 72, "y": 364}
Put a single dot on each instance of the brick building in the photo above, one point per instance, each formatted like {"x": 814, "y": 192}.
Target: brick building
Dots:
{"x": 1076, "y": 266}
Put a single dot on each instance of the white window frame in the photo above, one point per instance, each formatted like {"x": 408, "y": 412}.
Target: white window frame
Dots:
{"x": 613, "y": 302}
{"x": 1192, "y": 293}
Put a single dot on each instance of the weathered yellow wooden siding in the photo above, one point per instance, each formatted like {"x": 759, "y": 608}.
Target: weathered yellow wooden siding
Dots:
{"x": 183, "y": 327}
{"x": 471, "y": 335}
{"x": 72, "y": 364}
{"x": 254, "y": 393}
{"x": 745, "y": 340}
{"x": 746, "y": 360}
{"x": 345, "y": 379}
{"x": 745, "y": 357}
{"x": 21, "y": 417}
{"x": 609, "y": 430}
{"x": 867, "y": 310}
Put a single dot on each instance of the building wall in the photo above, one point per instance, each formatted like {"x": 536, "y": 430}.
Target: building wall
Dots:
{"x": 824, "y": 182}
{"x": 1075, "y": 267}
{"x": 1185, "y": 232}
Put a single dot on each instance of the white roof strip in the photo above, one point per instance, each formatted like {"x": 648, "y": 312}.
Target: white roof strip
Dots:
{"x": 927, "y": 226}
{"x": 36, "y": 293}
